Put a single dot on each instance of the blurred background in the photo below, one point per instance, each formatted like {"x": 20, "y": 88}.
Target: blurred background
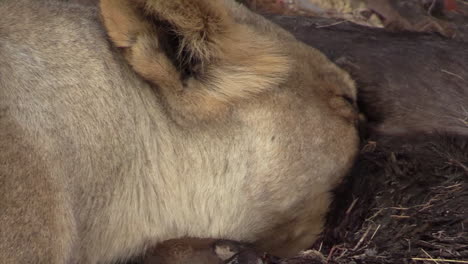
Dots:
{"x": 415, "y": 15}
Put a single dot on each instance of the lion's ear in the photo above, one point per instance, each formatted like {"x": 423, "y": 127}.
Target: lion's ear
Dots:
{"x": 198, "y": 25}
{"x": 195, "y": 48}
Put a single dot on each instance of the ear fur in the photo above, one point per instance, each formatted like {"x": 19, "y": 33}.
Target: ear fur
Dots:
{"x": 194, "y": 51}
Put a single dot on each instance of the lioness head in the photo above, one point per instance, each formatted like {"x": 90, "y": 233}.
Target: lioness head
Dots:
{"x": 215, "y": 60}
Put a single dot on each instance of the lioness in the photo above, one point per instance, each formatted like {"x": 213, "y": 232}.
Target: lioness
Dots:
{"x": 181, "y": 118}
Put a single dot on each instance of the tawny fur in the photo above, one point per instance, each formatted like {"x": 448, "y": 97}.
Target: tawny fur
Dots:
{"x": 234, "y": 62}
{"x": 236, "y": 131}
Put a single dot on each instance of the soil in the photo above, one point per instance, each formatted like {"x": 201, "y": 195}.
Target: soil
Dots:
{"x": 406, "y": 201}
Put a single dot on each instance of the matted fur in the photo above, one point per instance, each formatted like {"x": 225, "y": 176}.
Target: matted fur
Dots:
{"x": 107, "y": 148}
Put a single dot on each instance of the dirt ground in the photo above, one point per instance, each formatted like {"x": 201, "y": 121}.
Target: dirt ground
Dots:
{"x": 406, "y": 201}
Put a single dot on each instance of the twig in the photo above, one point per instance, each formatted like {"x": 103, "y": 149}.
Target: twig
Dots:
{"x": 453, "y": 74}
{"x": 400, "y": 216}
{"x": 409, "y": 244}
{"x": 440, "y": 260}
{"x": 375, "y": 215}
{"x": 375, "y": 232}
{"x": 352, "y": 206}
{"x": 431, "y": 8}
{"x": 342, "y": 254}
{"x": 330, "y": 254}
{"x": 399, "y": 208}
{"x": 460, "y": 164}
{"x": 333, "y": 24}
{"x": 457, "y": 186}
{"x": 362, "y": 238}
{"x": 432, "y": 259}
